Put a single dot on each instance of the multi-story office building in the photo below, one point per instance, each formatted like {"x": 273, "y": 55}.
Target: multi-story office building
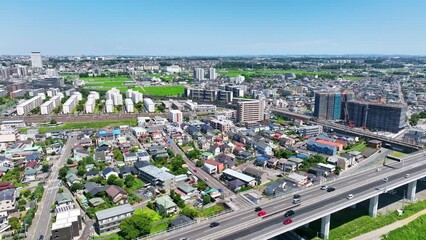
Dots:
{"x": 377, "y": 116}
{"x": 70, "y": 104}
{"x": 109, "y": 220}
{"x": 212, "y": 74}
{"x": 25, "y": 107}
{"x": 238, "y": 91}
{"x": 223, "y": 125}
{"x": 36, "y": 60}
{"x": 251, "y": 111}
{"x": 309, "y": 131}
{"x": 328, "y": 105}
{"x": 149, "y": 104}
{"x": 49, "y": 82}
{"x": 47, "y": 107}
{"x": 90, "y": 105}
{"x": 134, "y": 95}
{"x": 67, "y": 225}
{"x": 115, "y": 95}
{"x": 199, "y": 74}
{"x": 209, "y": 95}
{"x": 129, "y": 105}
{"x": 157, "y": 177}
{"x": 109, "y": 106}
{"x": 175, "y": 116}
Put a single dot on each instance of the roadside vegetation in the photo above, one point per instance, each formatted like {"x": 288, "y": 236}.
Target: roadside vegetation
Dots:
{"x": 85, "y": 125}
{"x": 415, "y": 230}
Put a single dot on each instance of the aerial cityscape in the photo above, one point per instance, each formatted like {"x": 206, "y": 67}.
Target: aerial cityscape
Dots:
{"x": 202, "y": 120}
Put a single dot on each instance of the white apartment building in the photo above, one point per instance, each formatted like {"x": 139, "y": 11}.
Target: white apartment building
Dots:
{"x": 199, "y": 74}
{"x": 25, "y": 107}
{"x": 79, "y": 95}
{"x": 51, "y": 72}
{"x": 42, "y": 95}
{"x": 134, "y": 95}
{"x": 115, "y": 95}
{"x": 173, "y": 69}
{"x": 175, "y": 116}
{"x": 52, "y": 92}
{"x": 36, "y": 60}
{"x": 94, "y": 95}
{"x": 56, "y": 100}
{"x": 70, "y": 104}
{"x": 212, "y": 74}
{"x": 47, "y": 107}
{"x": 90, "y": 105}
{"x": 149, "y": 105}
{"x": 129, "y": 105}
{"x": 109, "y": 106}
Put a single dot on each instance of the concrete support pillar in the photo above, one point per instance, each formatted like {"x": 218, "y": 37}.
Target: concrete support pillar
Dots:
{"x": 411, "y": 193}
{"x": 353, "y": 206}
{"x": 325, "y": 227}
{"x": 374, "y": 202}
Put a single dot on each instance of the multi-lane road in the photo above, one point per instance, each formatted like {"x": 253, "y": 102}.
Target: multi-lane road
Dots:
{"x": 245, "y": 224}
{"x": 41, "y": 221}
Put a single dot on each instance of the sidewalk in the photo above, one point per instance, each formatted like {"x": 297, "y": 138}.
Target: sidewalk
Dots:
{"x": 376, "y": 234}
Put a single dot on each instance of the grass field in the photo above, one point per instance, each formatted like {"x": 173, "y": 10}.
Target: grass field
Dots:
{"x": 162, "y": 90}
{"x": 358, "y": 147}
{"x": 415, "y": 230}
{"x": 211, "y": 210}
{"x": 151, "y": 213}
{"x": 352, "y": 78}
{"x": 105, "y": 81}
{"x": 164, "y": 77}
{"x": 397, "y": 154}
{"x": 83, "y": 125}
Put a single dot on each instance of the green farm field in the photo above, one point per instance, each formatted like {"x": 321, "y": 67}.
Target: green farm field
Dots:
{"x": 83, "y": 125}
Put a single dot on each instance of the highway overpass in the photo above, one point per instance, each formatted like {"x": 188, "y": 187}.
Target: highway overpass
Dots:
{"x": 316, "y": 204}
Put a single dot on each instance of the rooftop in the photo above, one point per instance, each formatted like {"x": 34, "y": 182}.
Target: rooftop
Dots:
{"x": 114, "y": 211}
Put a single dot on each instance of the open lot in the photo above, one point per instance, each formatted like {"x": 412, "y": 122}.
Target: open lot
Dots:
{"x": 103, "y": 82}
{"x": 162, "y": 90}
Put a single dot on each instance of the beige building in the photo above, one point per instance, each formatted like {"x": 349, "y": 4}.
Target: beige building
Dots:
{"x": 251, "y": 111}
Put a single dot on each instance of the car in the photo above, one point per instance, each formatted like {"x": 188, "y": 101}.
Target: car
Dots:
{"x": 330, "y": 189}
{"x": 385, "y": 179}
{"x": 261, "y": 213}
{"x": 214, "y": 224}
{"x": 288, "y": 221}
{"x": 195, "y": 170}
{"x": 289, "y": 213}
{"x": 350, "y": 196}
{"x": 41, "y": 237}
{"x": 407, "y": 175}
{"x": 258, "y": 209}
{"x": 378, "y": 169}
{"x": 324, "y": 187}
{"x": 380, "y": 151}
{"x": 205, "y": 179}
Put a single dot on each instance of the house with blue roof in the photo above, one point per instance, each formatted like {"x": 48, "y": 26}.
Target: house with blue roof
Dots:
{"x": 321, "y": 148}
{"x": 108, "y": 172}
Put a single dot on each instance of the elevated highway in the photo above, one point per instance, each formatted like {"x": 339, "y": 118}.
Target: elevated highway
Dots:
{"x": 316, "y": 204}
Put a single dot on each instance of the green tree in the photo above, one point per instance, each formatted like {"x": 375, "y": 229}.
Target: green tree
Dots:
{"x": 118, "y": 155}
{"x": 206, "y": 199}
{"x": 199, "y": 163}
{"x": 114, "y": 180}
{"x": 201, "y": 186}
{"x": 70, "y": 161}
{"x": 14, "y": 223}
{"x": 63, "y": 172}
{"x": 129, "y": 181}
{"x": 81, "y": 171}
{"x": 189, "y": 212}
{"x": 76, "y": 186}
{"x": 150, "y": 205}
{"x": 53, "y": 121}
{"x": 60, "y": 190}
{"x": 135, "y": 226}
{"x": 45, "y": 167}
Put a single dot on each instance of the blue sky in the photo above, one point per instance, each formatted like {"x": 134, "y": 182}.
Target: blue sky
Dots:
{"x": 213, "y": 27}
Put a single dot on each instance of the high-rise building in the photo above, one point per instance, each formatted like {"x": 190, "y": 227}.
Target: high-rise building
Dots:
{"x": 36, "y": 60}
{"x": 251, "y": 111}
{"x": 28, "y": 105}
{"x": 199, "y": 74}
{"x": 377, "y": 116}
{"x": 129, "y": 105}
{"x": 212, "y": 74}
{"x": 134, "y": 95}
{"x": 328, "y": 105}
{"x": 115, "y": 95}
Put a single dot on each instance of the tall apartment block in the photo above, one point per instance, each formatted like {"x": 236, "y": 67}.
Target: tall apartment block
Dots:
{"x": 212, "y": 74}
{"x": 377, "y": 116}
{"x": 115, "y": 95}
{"x": 26, "y": 107}
{"x": 36, "y": 60}
{"x": 199, "y": 74}
{"x": 134, "y": 95}
{"x": 70, "y": 104}
{"x": 209, "y": 95}
{"x": 251, "y": 111}
{"x": 328, "y": 105}
{"x": 129, "y": 105}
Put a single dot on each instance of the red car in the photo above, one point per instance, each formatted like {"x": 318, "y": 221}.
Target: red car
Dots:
{"x": 287, "y": 221}
{"x": 261, "y": 213}
{"x": 195, "y": 170}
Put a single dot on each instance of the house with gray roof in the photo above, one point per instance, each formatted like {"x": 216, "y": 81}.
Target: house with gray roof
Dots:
{"x": 165, "y": 204}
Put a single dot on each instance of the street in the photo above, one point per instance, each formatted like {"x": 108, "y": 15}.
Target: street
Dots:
{"x": 42, "y": 219}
